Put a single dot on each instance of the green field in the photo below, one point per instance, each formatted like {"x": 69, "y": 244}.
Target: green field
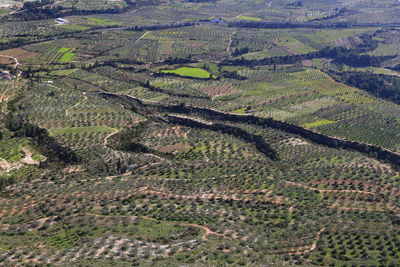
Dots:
{"x": 295, "y": 45}
{"x": 191, "y": 73}
{"x": 10, "y": 150}
{"x": 97, "y": 21}
{"x": 241, "y": 17}
{"x": 67, "y": 57}
{"x": 317, "y": 123}
{"x": 64, "y": 50}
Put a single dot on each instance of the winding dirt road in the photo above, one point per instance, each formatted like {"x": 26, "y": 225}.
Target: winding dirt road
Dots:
{"x": 108, "y": 136}
{"x": 13, "y": 58}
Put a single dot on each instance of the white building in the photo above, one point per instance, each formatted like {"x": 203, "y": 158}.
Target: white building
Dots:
{"x": 61, "y": 21}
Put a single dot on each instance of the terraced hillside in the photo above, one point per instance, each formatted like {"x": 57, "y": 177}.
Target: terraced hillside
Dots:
{"x": 200, "y": 133}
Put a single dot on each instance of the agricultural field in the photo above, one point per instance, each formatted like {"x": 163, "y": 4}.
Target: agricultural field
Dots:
{"x": 200, "y": 133}
{"x": 242, "y": 17}
{"x": 190, "y": 72}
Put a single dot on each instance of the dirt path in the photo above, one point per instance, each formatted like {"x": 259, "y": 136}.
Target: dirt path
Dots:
{"x": 4, "y": 97}
{"x": 230, "y": 43}
{"x": 152, "y": 164}
{"x": 118, "y": 175}
{"x": 149, "y": 165}
{"x": 14, "y": 58}
{"x": 291, "y": 209}
{"x": 207, "y": 231}
{"x": 205, "y": 156}
{"x": 329, "y": 190}
{"x": 141, "y": 37}
{"x": 302, "y": 249}
{"x": 228, "y": 195}
{"x": 108, "y": 136}
{"x": 55, "y": 87}
{"x": 26, "y": 160}
{"x": 313, "y": 245}
{"x": 5, "y": 165}
{"x": 76, "y": 104}
{"x": 186, "y": 134}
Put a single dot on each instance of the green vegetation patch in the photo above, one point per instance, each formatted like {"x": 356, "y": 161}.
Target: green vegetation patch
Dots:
{"x": 317, "y": 123}
{"x": 64, "y": 50}
{"x": 98, "y": 21}
{"x": 191, "y": 72}
{"x": 10, "y": 149}
{"x": 295, "y": 45}
{"x": 63, "y": 239}
{"x": 67, "y": 57}
{"x": 241, "y": 17}
{"x": 240, "y": 111}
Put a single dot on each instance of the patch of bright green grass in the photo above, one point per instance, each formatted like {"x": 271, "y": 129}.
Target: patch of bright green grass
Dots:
{"x": 317, "y": 123}
{"x": 295, "y": 45}
{"x": 64, "y": 50}
{"x": 67, "y": 57}
{"x": 241, "y": 17}
{"x": 98, "y": 21}
{"x": 10, "y": 149}
{"x": 191, "y": 72}
{"x": 240, "y": 111}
